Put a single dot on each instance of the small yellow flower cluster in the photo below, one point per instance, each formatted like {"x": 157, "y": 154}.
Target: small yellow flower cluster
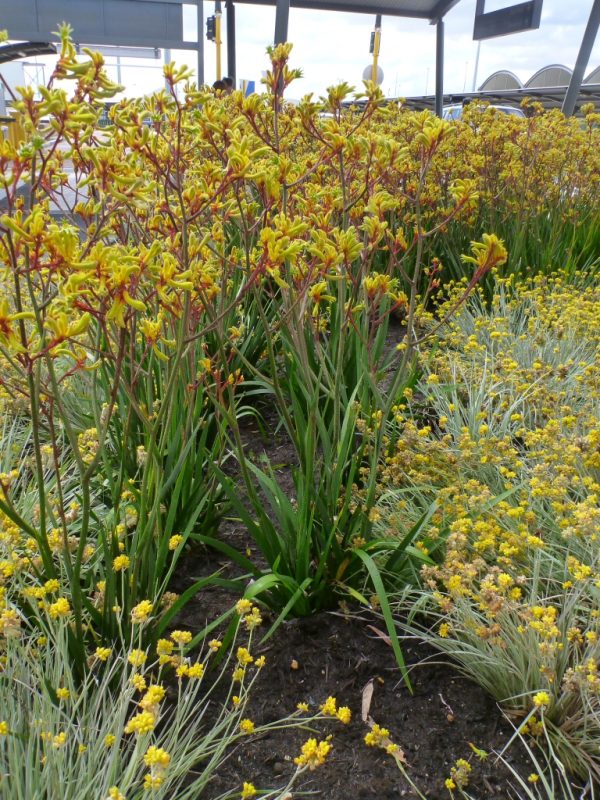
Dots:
{"x": 121, "y": 563}
{"x": 249, "y": 613}
{"x": 152, "y": 699}
{"x": 141, "y": 612}
{"x": 380, "y": 737}
{"x": 330, "y": 709}
{"x": 141, "y": 723}
{"x": 158, "y": 760}
{"x": 247, "y": 726}
{"x": 102, "y": 653}
{"x": 541, "y": 700}
{"x": 88, "y": 445}
{"x": 459, "y": 775}
{"x": 61, "y": 608}
{"x": 514, "y": 461}
{"x": 191, "y": 671}
{"x": 313, "y": 754}
{"x": 181, "y": 637}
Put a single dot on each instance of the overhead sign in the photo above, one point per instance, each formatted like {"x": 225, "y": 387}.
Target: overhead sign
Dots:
{"x": 512, "y": 19}
{"x": 133, "y": 23}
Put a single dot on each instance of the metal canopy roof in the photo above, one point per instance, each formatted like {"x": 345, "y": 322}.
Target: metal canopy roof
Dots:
{"x": 431, "y": 10}
{"x": 9, "y": 52}
{"x": 549, "y": 97}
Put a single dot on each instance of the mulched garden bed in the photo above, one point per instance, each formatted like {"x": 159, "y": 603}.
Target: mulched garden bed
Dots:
{"x": 339, "y": 654}
{"x": 330, "y": 654}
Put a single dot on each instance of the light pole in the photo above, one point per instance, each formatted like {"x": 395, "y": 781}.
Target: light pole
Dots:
{"x": 218, "y": 36}
{"x": 375, "y": 46}
{"x": 474, "y": 87}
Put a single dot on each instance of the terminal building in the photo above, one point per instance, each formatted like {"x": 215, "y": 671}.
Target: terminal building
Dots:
{"x": 548, "y": 86}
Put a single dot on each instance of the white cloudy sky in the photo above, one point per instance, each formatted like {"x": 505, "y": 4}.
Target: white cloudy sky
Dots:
{"x": 331, "y": 47}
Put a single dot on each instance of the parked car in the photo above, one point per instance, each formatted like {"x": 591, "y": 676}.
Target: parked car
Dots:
{"x": 456, "y": 111}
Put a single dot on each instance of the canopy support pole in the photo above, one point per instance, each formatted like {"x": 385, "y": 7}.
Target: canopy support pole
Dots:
{"x": 231, "y": 66}
{"x": 200, "y": 49}
{"x": 589, "y": 37}
{"x": 282, "y": 16}
{"x": 439, "y": 67}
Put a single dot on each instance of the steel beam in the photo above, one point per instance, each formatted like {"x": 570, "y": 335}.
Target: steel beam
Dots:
{"x": 387, "y": 10}
{"x": 282, "y": 17}
{"x": 131, "y": 23}
{"x": 231, "y": 65}
{"x": 439, "y": 67}
{"x": 442, "y": 8}
{"x": 589, "y": 37}
{"x": 200, "y": 43}
{"x": 10, "y": 52}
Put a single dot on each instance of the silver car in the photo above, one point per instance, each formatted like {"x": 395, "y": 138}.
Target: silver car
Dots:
{"x": 456, "y": 111}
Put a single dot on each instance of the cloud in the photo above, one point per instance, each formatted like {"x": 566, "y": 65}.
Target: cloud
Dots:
{"x": 331, "y": 46}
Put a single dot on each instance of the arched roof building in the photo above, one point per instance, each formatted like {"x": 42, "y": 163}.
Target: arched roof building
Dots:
{"x": 552, "y": 75}
{"x": 500, "y": 81}
{"x": 594, "y": 76}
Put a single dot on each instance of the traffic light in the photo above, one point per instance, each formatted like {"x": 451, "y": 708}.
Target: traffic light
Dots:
{"x": 211, "y": 28}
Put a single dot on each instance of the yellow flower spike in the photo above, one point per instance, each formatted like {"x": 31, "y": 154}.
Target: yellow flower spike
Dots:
{"x": 138, "y": 682}
{"x": 9, "y": 335}
{"x": 138, "y": 305}
{"x": 174, "y": 75}
{"x": 63, "y": 328}
{"x": 486, "y": 254}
